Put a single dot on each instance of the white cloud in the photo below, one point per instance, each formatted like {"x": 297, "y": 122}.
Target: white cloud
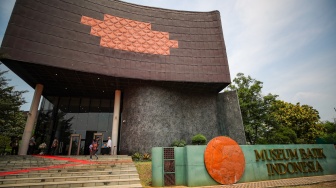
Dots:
{"x": 284, "y": 45}
{"x": 308, "y": 96}
{"x": 268, "y": 34}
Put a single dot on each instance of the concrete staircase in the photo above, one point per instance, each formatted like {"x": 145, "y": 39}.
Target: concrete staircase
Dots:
{"x": 73, "y": 171}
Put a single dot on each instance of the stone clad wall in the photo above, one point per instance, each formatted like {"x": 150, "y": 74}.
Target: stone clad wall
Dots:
{"x": 155, "y": 117}
{"x": 229, "y": 116}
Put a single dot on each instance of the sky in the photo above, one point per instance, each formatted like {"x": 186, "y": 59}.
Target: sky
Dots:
{"x": 288, "y": 45}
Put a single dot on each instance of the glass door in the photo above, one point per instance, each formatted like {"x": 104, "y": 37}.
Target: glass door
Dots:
{"x": 75, "y": 142}
{"x": 100, "y": 142}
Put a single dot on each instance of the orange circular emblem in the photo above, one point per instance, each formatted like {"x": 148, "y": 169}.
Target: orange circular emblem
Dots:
{"x": 224, "y": 160}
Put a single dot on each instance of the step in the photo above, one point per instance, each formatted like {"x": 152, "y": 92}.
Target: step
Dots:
{"x": 67, "y": 178}
{"x": 58, "y": 174}
{"x": 41, "y": 163}
{"x": 120, "y": 186}
{"x": 20, "y": 167}
{"x": 30, "y": 160}
{"x": 37, "y": 175}
{"x": 101, "y": 164}
{"x": 11, "y": 161}
{"x": 107, "y": 171}
{"x": 87, "y": 183}
{"x": 105, "y": 157}
{"x": 79, "y": 168}
{"x": 98, "y": 171}
{"x": 61, "y": 170}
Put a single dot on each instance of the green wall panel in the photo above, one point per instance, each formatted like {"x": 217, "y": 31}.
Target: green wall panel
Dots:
{"x": 190, "y": 168}
{"x": 180, "y": 167}
{"x": 260, "y": 170}
{"x": 197, "y": 175}
{"x": 157, "y": 167}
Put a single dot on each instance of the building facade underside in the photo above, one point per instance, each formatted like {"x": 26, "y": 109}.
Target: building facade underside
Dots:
{"x": 145, "y": 76}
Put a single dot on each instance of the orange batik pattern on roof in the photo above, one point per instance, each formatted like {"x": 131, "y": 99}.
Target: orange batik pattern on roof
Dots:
{"x": 130, "y": 35}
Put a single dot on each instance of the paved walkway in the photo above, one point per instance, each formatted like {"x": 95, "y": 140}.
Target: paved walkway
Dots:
{"x": 291, "y": 182}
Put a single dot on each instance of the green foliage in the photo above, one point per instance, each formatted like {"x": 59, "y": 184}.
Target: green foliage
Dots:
{"x": 179, "y": 143}
{"x": 4, "y": 145}
{"x": 12, "y": 120}
{"x": 146, "y": 157}
{"x": 329, "y": 137}
{"x": 254, "y": 107}
{"x": 302, "y": 119}
{"x": 283, "y": 135}
{"x": 270, "y": 121}
{"x": 199, "y": 139}
{"x": 136, "y": 156}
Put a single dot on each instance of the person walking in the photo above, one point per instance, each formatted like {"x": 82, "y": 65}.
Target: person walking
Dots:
{"x": 94, "y": 148}
{"x": 109, "y": 145}
{"x": 32, "y": 144}
{"x": 54, "y": 146}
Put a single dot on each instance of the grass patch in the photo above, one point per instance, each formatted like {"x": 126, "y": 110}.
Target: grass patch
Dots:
{"x": 144, "y": 169}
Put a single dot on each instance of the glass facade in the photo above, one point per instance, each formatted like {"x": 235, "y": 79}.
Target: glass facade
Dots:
{"x": 61, "y": 117}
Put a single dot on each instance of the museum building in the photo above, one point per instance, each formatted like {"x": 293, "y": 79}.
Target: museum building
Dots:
{"x": 144, "y": 76}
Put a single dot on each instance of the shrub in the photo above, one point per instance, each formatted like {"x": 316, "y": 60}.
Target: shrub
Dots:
{"x": 179, "y": 143}
{"x": 136, "y": 156}
{"x": 146, "y": 156}
{"x": 199, "y": 139}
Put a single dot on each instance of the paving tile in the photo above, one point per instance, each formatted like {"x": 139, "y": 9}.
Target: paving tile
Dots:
{"x": 50, "y": 186}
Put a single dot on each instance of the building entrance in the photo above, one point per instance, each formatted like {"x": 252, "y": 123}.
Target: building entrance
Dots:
{"x": 63, "y": 116}
{"x": 88, "y": 141}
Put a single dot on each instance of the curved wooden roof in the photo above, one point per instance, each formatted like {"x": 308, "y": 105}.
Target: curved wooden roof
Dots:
{"x": 119, "y": 40}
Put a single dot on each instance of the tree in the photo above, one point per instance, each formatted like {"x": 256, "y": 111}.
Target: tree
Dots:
{"x": 5, "y": 141}
{"x": 12, "y": 120}
{"x": 282, "y": 135}
{"x": 254, "y": 107}
{"x": 270, "y": 121}
{"x": 304, "y": 120}
{"x": 329, "y": 135}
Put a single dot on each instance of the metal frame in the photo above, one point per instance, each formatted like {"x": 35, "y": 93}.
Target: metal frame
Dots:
{"x": 79, "y": 142}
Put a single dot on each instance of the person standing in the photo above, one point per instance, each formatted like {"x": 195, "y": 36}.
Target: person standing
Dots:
{"x": 15, "y": 146}
{"x": 54, "y": 146}
{"x": 109, "y": 145}
{"x": 32, "y": 144}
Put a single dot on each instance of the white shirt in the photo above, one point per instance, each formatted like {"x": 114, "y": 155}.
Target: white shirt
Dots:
{"x": 109, "y": 143}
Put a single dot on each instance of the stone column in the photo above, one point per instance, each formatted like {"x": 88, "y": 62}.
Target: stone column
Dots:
{"x": 27, "y": 134}
{"x": 115, "y": 124}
